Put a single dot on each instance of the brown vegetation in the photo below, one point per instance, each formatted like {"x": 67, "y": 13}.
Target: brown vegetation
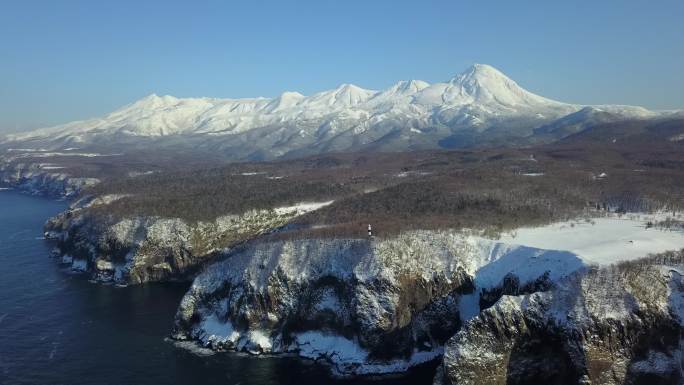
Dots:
{"x": 483, "y": 189}
{"x": 493, "y": 189}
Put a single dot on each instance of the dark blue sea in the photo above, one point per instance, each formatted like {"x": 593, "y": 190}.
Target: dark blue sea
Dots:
{"x": 57, "y": 328}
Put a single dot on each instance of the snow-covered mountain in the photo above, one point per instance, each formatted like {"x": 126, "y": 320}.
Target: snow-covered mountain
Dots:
{"x": 478, "y": 105}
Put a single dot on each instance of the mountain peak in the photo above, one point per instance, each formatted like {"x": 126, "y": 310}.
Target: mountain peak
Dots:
{"x": 153, "y": 100}
{"x": 481, "y": 73}
{"x": 484, "y": 68}
{"x": 411, "y": 86}
{"x": 350, "y": 94}
{"x": 348, "y": 87}
{"x": 291, "y": 95}
{"x": 287, "y": 99}
{"x": 483, "y": 84}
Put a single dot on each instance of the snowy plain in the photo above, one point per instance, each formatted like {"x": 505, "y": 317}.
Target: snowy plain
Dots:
{"x": 603, "y": 240}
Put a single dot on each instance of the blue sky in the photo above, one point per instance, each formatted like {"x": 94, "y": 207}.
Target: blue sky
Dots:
{"x": 67, "y": 60}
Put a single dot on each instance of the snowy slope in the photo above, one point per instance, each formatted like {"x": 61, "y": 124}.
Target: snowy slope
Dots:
{"x": 602, "y": 240}
{"x": 348, "y": 117}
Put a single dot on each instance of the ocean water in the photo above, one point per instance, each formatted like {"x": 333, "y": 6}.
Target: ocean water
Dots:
{"x": 57, "y": 328}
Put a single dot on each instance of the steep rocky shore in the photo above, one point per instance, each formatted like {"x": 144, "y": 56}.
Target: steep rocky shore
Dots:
{"x": 612, "y": 325}
{"x": 496, "y": 312}
{"x": 143, "y": 249}
{"x": 364, "y": 306}
{"x": 38, "y": 179}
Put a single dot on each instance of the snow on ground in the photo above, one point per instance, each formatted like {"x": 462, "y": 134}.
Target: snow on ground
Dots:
{"x": 26, "y": 149}
{"x": 102, "y": 264}
{"x": 134, "y": 174}
{"x": 314, "y": 344}
{"x": 603, "y": 240}
{"x": 499, "y": 259}
{"x": 213, "y": 330}
{"x": 562, "y": 248}
{"x": 301, "y": 208}
{"x": 107, "y": 199}
{"x": 256, "y": 342}
{"x": 347, "y": 356}
{"x": 527, "y": 263}
{"x": 49, "y": 166}
{"x": 405, "y": 174}
{"x": 51, "y": 154}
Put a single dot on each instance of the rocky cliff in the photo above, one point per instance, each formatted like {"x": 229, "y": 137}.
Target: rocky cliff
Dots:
{"x": 498, "y": 313}
{"x": 364, "y": 306}
{"x": 39, "y": 179}
{"x": 619, "y": 324}
{"x": 141, "y": 249}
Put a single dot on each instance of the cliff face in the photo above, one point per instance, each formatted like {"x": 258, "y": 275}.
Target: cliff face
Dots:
{"x": 498, "y": 313}
{"x": 363, "y": 306}
{"x": 142, "y": 249}
{"x": 38, "y": 180}
{"x": 611, "y": 325}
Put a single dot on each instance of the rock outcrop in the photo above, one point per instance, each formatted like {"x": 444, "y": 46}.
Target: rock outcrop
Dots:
{"x": 619, "y": 324}
{"x": 144, "y": 249}
{"x": 497, "y": 313}
{"x": 364, "y": 306}
{"x": 37, "y": 180}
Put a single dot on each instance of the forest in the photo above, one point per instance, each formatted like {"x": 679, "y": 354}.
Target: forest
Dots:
{"x": 487, "y": 189}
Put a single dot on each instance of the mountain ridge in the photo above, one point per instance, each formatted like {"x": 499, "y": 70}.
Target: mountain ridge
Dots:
{"x": 479, "y": 105}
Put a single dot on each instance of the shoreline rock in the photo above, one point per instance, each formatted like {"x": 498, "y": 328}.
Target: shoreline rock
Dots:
{"x": 618, "y": 324}
{"x": 30, "y": 178}
{"x": 364, "y": 306}
{"x": 146, "y": 249}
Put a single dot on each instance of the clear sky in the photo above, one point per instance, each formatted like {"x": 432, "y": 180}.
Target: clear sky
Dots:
{"x": 66, "y": 60}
